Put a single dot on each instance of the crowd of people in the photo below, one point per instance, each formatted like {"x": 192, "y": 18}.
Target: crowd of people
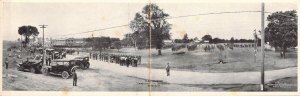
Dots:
{"x": 121, "y": 59}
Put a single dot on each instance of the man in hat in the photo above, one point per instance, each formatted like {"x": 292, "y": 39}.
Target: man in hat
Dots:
{"x": 168, "y": 69}
{"x": 74, "y": 78}
{"x": 6, "y": 63}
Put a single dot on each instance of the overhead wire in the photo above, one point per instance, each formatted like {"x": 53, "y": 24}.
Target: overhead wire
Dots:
{"x": 183, "y": 16}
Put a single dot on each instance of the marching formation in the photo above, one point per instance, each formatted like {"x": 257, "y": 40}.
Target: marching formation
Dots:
{"x": 117, "y": 59}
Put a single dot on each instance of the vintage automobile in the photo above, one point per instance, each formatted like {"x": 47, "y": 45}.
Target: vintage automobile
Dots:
{"x": 60, "y": 67}
{"x": 33, "y": 65}
{"x": 82, "y": 62}
{"x": 56, "y": 55}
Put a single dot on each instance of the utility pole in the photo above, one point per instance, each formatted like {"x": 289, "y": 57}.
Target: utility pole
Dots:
{"x": 255, "y": 45}
{"x": 262, "y": 46}
{"x": 21, "y": 43}
{"x": 43, "y": 27}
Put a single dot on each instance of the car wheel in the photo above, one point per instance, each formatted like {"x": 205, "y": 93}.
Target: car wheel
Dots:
{"x": 39, "y": 68}
{"x": 82, "y": 66}
{"x": 65, "y": 75}
{"x": 74, "y": 68}
{"x": 45, "y": 71}
{"x": 20, "y": 68}
{"x": 32, "y": 70}
{"x": 88, "y": 65}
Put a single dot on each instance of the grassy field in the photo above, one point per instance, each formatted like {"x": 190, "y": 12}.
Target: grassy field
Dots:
{"x": 237, "y": 60}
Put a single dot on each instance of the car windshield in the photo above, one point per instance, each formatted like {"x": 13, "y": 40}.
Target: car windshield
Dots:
{"x": 38, "y": 57}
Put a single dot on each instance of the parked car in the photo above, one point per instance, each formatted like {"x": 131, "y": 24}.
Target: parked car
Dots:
{"x": 61, "y": 67}
{"x": 33, "y": 65}
{"x": 82, "y": 62}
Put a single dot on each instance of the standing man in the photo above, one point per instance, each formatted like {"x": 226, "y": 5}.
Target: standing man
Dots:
{"x": 6, "y": 63}
{"x": 49, "y": 61}
{"x": 168, "y": 69}
{"x": 74, "y": 78}
{"x": 90, "y": 55}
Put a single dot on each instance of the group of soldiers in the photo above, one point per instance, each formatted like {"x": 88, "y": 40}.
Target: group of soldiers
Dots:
{"x": 117, "y": 58}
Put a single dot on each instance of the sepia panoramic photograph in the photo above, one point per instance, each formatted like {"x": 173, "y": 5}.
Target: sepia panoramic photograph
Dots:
{"x": 150, "y": 46}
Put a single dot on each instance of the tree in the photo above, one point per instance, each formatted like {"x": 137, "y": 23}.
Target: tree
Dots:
{"x": 281, "y": 30}
{"x": 139, "y": 28}
{"x": 152, "y": 20}
{"x": 185, "y": 38}
{"x": 27, "y": 32}
{"x": 99, "y": 43}
{"x": 231, "y": 40}
{"x": 207, "y": 37}
{"x": 117, "y": 45}
{"x": 217, "y": 40}
{"x": 196, "y": 38}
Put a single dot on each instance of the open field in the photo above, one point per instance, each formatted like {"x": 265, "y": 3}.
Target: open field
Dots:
{"x": 100, "y": 79}
{"x": 237, "y": 60}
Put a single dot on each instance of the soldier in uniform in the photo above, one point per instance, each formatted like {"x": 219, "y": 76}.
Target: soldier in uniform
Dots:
{"x": 49, "y": 61}
{"x": 168, "y": 69}
{"x": 74, "y": 78}
{"x": 6, "y": 63}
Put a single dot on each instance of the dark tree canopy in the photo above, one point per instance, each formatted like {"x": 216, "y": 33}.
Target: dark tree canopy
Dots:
{"x": 281, "y": 30}
{"x": 117, "y": 45}
{"x": 185, "y": 38}
{"x": 99, "y": 43}
{"x": 28, "y": 31}
{"x": 152, "y": 20}
{"x": 207, "y": 37}
{"x": 231, "y": 40}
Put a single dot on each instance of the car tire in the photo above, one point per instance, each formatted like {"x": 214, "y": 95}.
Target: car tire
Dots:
{"x": 20, "y": 68}
{"x": 88, "y": 65}
{"x": 65, "y": 75}
{"x": 32, "y": 70}
{"x": 81, "y": 66}
{"x": 45, "y": 71}
{"x": 74, "y": 68}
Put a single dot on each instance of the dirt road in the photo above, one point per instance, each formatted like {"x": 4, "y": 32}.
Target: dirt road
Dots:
{"x": 104, "y": 76}
{"x": 184, "y": 77}
{"x": 94, "y": 79}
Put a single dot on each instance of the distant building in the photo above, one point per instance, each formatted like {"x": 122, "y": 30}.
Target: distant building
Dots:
{"x": 75, "y": 42}
{"x": 206, "y": 41}
{"x": 47, "y": 42}
{"x": 59, "y": 43}
{"x": 269, "y": 47}
{"x": 168, "y": 41}
{"x": 243, "y": 44}
{"x": 197, "y": 41}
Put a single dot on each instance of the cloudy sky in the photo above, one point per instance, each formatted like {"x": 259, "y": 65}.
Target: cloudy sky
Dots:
{"x": 67, "y": 18}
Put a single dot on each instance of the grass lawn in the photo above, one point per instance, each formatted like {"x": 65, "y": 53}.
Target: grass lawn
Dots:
{"x": 237, "y": 60}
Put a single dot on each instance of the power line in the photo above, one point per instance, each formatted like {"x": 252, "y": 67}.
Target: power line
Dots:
{"x": 96, "y": 30}
{"x": 213, "y": 13}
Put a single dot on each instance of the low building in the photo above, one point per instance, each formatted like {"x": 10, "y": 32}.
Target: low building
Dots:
{"x": 59, "y": 43}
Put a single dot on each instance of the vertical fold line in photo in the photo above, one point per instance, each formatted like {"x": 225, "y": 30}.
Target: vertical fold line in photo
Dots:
{"x": 150, "y": 41}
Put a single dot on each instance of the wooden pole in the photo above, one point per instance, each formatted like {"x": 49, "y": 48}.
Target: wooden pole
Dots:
{"x": 43, "y": 27}
{"x": 262, "y": 46}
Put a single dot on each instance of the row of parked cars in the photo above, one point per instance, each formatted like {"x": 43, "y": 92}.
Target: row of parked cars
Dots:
{"x": 63, "y": 67}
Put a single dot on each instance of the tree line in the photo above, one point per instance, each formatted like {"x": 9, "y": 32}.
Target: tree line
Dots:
{"x": 150, "y": 27}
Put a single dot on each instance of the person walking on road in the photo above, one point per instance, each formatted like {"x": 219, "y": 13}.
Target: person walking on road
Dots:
{"x": 74, "y": 78}
{"x": 168, "y": 69}
{"x": 6, "y": 63}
